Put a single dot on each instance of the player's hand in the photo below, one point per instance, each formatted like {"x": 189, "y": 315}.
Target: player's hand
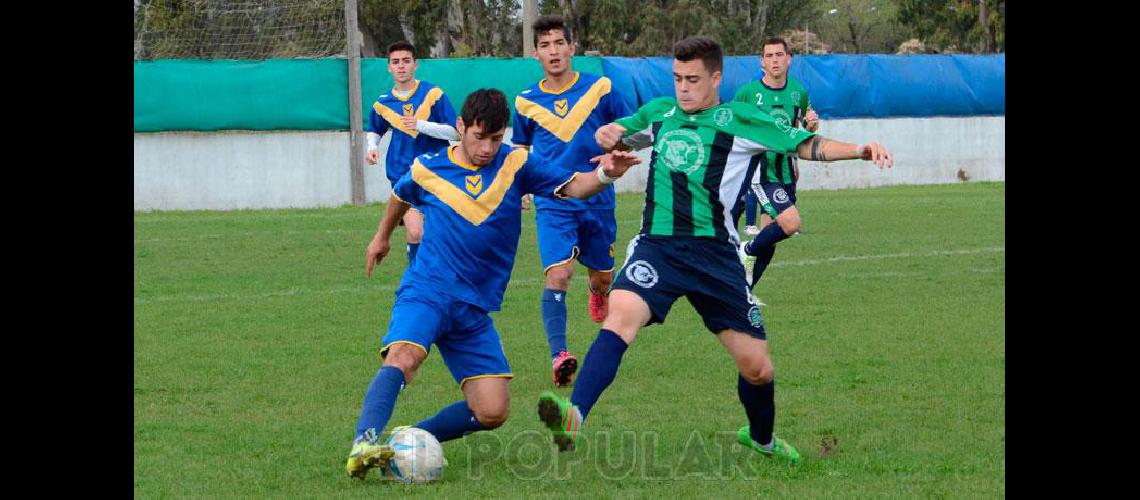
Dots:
{"x": 378, "y": 248}
{"x": 616, "y": 163}
{"x": 410, "y": 123}
{"x": 526, "y": 201}
{"x": 811, "y": 121}
{"x": 877, "y": 153}
{"x": 372, "y": 156}
{"x": 609, "y": 135}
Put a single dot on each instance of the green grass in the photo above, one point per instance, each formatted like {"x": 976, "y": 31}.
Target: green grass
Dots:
{"x": 256, "y": 335}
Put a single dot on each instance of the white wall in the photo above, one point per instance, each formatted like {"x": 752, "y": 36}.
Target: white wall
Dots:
{"x": 230, "y": 170}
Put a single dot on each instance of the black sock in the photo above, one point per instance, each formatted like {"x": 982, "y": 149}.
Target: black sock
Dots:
{"x": 762, "y": 260}
{"x": 760, "y": 404}
{"x": 769, "y": 236}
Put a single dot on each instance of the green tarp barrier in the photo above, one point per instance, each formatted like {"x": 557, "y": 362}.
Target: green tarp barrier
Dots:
{"x": 302, "y": 94}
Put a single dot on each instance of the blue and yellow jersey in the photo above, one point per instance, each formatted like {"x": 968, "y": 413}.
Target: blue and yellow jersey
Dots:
{"x": 560, "y": 125}
{"x": 427, "y": 102}
{"x": 472, "y": 220}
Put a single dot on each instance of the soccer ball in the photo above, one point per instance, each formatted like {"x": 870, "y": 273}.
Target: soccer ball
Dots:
{"x": 418, "y": 458}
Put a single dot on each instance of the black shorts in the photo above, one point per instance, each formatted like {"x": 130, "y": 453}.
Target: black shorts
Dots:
{"x": 706, "y": 270}
{"x": 775, "y": 197}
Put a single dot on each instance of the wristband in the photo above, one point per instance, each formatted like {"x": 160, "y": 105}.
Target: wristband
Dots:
{"x": 603, "y": 178}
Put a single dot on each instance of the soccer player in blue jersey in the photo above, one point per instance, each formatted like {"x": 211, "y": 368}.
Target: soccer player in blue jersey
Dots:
{"x": 702, "y": 152}
{"x": 421, "y": 120}
{"x": 471, "y": 193}
{"x": 556, "y": 118}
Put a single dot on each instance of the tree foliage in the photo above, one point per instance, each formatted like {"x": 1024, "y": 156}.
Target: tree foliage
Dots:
{"x": 956, "y": 25}
{"x": 633, "y": 28}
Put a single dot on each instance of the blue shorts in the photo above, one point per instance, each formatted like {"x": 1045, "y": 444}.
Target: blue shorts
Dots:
{"x": 467, "y": 339}
{"x": 587, "y": 235}
{"x": 706, "y": 270}
{"x": 775, "y": 197}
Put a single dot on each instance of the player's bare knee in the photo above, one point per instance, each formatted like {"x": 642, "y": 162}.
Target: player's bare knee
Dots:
{"x": 602, "y": 282}
{"x": 789, "y": 224}
{"x": 492, "y": 415}
{"x": 406, "y": 357}
{"x": 758, "y": 373}
{"x": 415, "y": 234}
{"x": 558, "y": 277}
{"x": 623, "y": 324}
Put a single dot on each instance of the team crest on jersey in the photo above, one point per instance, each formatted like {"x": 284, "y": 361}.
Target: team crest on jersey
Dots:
{"x": 474, "y": 184}
{"x": 780, "y": 196}
{"x": 642, "y": 273}
{"x": 783, "y": 121}
{"x": 561, "y": 106}
{"x": 681, "y": 150}
{"x": 409, "y": 109}
{"x": 723, "y": 116}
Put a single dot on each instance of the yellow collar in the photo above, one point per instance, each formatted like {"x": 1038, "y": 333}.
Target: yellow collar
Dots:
{"x": 451, "y": 156}
{"x": 410, "y": 94}
{"x": 542, "y": 85}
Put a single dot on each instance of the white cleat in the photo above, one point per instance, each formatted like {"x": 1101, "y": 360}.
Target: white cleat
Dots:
{"x": 747, "y": 261}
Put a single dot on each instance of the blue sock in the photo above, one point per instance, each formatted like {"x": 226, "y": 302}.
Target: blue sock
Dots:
{"x": 760, "y": 404}
{"x": 769, "y": 236}
{"x": 598, "y": 370}
{"x": 554, "y": 319}
{"x": 451, "y": 422}
{"x": 749, "y": 208}
{"x": 380, "y": 400}
{"x": 412, "y": 249}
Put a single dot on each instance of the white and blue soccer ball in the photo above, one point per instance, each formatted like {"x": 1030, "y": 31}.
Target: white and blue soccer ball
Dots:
{"x": 418, "y": 458}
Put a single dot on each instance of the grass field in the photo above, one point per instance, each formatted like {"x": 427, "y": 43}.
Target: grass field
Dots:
{"x": 256, "y": 335}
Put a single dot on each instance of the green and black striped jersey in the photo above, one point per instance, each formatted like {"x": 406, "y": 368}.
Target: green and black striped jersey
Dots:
{"x": 700, "y": 163}
{"x": 788, "y": 104}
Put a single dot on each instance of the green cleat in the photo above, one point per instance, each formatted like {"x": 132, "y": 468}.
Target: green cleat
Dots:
{"x": 562, "y": 418}
{"x": 781, "y": 449}
{"x": 367, "y": 453}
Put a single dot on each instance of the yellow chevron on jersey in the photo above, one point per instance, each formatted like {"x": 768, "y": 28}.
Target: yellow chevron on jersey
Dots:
{"x": 422, "y": 112}
{"x": 565, "y": 128}
{"x": 474, "y": 209}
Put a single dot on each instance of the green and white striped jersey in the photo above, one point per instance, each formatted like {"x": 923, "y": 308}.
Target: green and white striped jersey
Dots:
{"x": 788, "y": 103}
{"x": 700, "y": 163}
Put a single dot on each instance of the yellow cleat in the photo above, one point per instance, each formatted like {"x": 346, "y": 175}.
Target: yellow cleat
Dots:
{"x": 367, "y": 454}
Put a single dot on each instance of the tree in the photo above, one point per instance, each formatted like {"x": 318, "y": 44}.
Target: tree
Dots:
{"x": 861, "y": 26}
{"x": 957, "y": 25}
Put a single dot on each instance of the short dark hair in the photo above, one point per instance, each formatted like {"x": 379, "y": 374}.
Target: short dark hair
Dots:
{"x": 402, "y": 45}
{"x": 699, "y": 47}
{"x": 774, "y": 41}
{"x": 546, "y": 24}
{"x": 488, "y": 107}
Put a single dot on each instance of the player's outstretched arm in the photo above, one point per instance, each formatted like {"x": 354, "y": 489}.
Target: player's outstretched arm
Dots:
{"x": 379, "y": 246}
{"x": 611, "y": 166}
{"x": 609, "y": 137}
{"x": 437, "y": 130}
{"x": 818, "y": 148}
